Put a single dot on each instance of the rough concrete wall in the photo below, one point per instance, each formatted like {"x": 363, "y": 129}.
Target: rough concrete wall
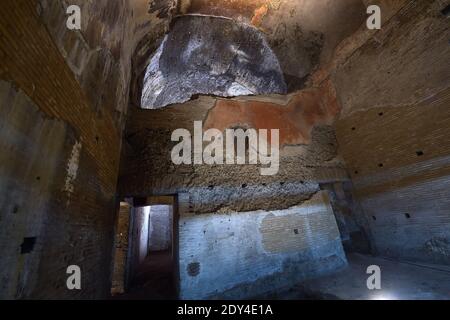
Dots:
{"x": 240, "y": 190}
{"x": 63, "y": 97}
{"x": 393, "y": 132}
{"x": 257, "y": 251}
{"x": 147, "y": 168}
{"x": 121, "y": 245}
{"x": 160, "y": 227}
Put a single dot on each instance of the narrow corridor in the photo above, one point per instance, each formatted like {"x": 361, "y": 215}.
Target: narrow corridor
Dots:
{"x": 153, "y": 280}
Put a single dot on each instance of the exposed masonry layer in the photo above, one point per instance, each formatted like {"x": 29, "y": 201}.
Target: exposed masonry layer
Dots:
{"x": 148, "y": 169}
{"x": 411, "y": 65}
{"x": 394, "y": 133}
{"x": 258, "y": 251}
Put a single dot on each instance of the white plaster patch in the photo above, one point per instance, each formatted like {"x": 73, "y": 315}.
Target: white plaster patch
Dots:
{"x": 154, "y": 79}
{"x": 72, "y": 167}
{"x": 236, "y": 89}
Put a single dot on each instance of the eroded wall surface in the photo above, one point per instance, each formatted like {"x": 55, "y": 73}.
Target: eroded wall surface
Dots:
{"x": 147, "y": 167}
{"x": 257, "y": 252}
{"x": 230, "y": 212}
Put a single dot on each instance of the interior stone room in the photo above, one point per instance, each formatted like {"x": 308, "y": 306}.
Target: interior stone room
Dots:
{"x": 87, "y": 176}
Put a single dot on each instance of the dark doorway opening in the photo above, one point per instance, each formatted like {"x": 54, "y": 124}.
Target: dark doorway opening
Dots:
{"x": 149, "y": 271}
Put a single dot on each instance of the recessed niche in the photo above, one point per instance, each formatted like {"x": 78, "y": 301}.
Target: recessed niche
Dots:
{"x": 419, "y": 153}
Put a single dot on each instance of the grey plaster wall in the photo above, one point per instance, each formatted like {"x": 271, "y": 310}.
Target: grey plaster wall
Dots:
{"x": 258, "y": 251}
{"x": 210, "y": 55}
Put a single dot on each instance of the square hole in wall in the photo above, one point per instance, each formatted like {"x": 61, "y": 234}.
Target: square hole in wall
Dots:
{"x": 27, "y": 245}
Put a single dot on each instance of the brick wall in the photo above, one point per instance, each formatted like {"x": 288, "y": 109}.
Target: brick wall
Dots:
{"x": 121, "y": 245}
{"x": 63, "y": 96}
{"x": 394, "y": 135}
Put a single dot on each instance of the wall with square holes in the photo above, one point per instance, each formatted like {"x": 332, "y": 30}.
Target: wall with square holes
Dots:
{"x": 394, "y": 133}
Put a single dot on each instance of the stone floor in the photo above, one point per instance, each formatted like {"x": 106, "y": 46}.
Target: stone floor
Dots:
{"x": 399, "y": 281}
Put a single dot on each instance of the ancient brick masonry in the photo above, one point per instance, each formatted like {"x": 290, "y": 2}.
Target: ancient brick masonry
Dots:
{"x": 47, "y": 85}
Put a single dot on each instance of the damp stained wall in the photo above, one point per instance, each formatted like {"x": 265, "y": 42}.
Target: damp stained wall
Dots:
{"x": 258, "y": 251}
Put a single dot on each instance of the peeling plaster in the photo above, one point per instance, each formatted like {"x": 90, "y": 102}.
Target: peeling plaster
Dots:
{"x": 72, "y": 168}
